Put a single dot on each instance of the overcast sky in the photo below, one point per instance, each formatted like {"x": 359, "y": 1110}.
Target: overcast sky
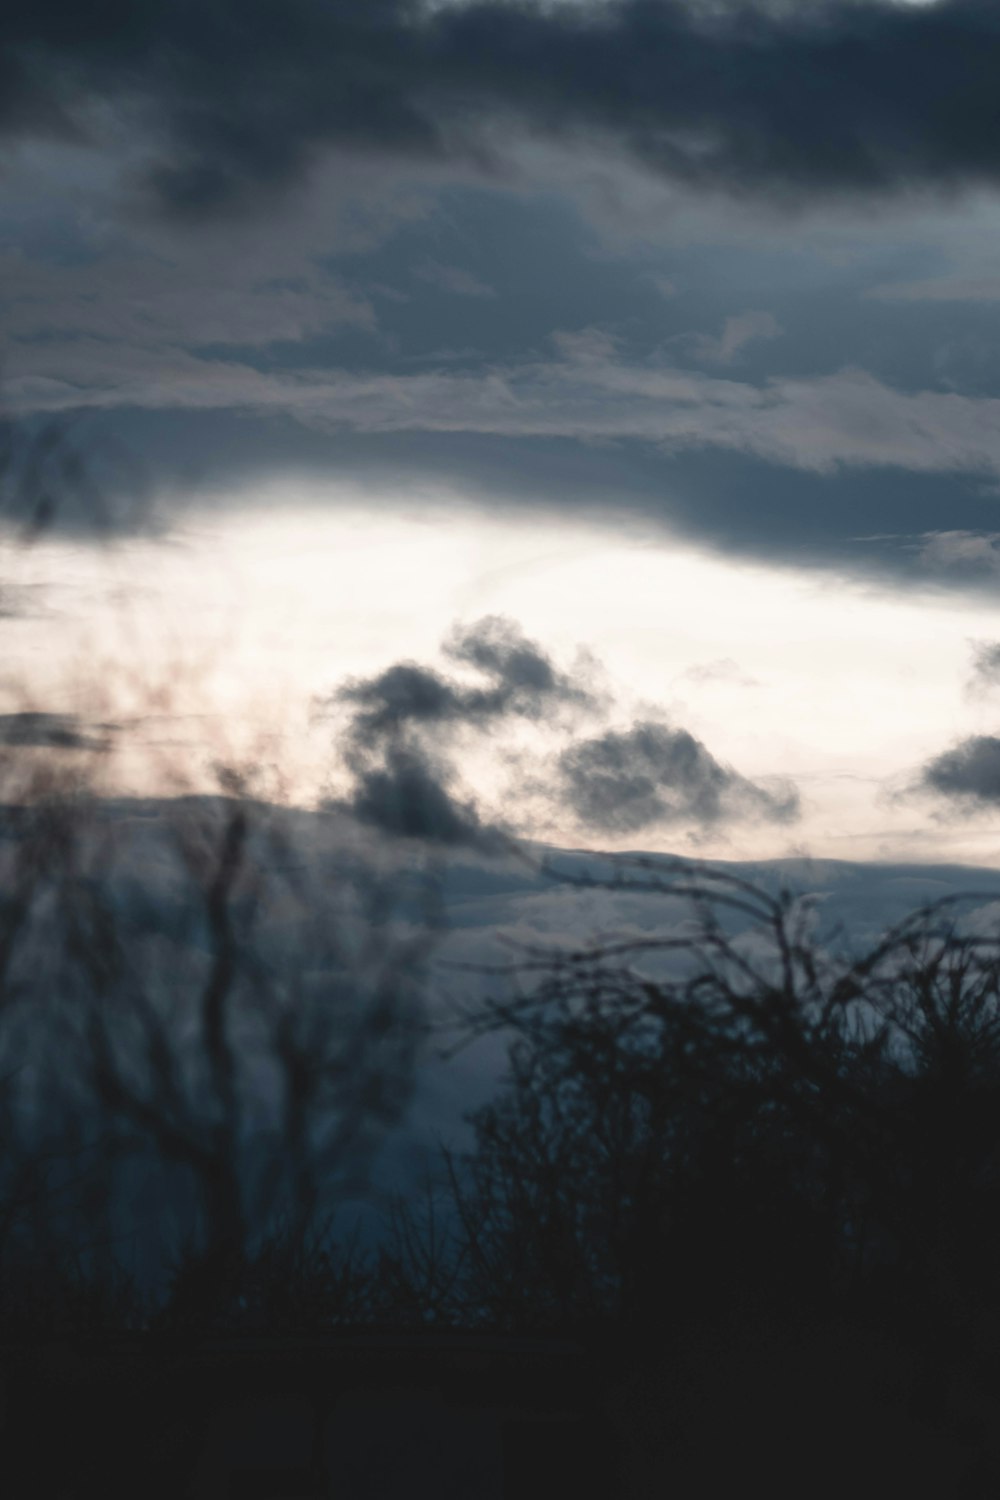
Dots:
{"x": 573, "y": 420}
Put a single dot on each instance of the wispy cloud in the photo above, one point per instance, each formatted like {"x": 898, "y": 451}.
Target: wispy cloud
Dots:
{"x": 453, "y": 279}
{"x": 726, "y": 347}
{"x": 946, "y": 288}
{"x": 722, "y": 670}
{"x": 951, "y": 549}
{"x": 820, "y": 423}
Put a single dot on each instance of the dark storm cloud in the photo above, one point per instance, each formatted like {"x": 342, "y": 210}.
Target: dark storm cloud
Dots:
{"x": 969, "y": 772}
{"x": 627, "y": 780}
{"x": 38, "y": 730}
{"x": 798, "y": 99}
{"x": 402, "y": 722}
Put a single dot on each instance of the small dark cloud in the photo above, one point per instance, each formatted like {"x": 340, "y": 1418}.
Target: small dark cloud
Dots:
{"x": 520, "y": 680}
{"x": 405, "y": 796}
{"x": 795, "y": 100}
{"x": 397, "y": 744}
{"x": 525, "y": 680}
{"x": 967, "y": 773}
{"x": 626, "y": 780}
{"x": 53, "y": 731}
{"x": 404, "y": 694}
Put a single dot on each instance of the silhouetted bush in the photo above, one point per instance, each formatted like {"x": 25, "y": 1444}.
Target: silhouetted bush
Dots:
{"x": 738, "y": 1139}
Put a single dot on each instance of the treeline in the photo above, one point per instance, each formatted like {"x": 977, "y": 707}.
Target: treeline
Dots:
{"x": 204, "y": 1039}
{"x": 735, "y": 1106}
{"x": 737, "y": 1158}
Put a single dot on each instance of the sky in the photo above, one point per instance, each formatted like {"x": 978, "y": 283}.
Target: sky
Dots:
{"x": 571, "y": 421}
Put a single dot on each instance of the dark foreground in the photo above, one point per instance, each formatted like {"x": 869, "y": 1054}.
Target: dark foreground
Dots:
{"x": 789, "y": 1411}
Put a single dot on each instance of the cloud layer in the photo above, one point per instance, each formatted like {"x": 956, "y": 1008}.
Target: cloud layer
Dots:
{"x": 845, "y": 419}
{"x": 236, "y": 98}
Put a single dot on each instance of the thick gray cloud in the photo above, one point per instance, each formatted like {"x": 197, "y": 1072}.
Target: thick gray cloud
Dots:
{"x": 240, "y": 356}
{"x": 874, "y": 521}
{"x": 835, "y": 96}
{"x": 402, "y": 722}
{"x": 456, "y": 313}
{"x": 653, "y": 774}
{"x": 969, "y": 772}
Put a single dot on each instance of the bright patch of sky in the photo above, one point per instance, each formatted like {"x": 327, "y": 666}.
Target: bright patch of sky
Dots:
{"x": 220, "y": 643}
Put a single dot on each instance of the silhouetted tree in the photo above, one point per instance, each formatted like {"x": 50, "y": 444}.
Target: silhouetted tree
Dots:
{"x": 266, "y": 1069}
{"x": 736, "y": 1128}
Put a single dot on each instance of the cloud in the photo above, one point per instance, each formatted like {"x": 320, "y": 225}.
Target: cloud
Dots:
{"x": 406, "y": 725}
{"x": 985, "y": 667}
{"x": 398, "y": 744}
{"x": 403, "y": 794}
{"x": 968, "y": 773}
{"x": 37, "y": 730}
{"x": 961, "y": 552}
{"x": 726, "y": 347}
{"x": 652, "y": 774}
{"x": 951, "y": 549}
{"x": 723, "y": 669}
{"x": 170, "y": 293}
{"x": 454, "y": 279}
{"x": 950, "y": 288}
{"x": 521, "y": 679}
{"x": 819, "y": 423}
{"x": 234, "y": 104}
